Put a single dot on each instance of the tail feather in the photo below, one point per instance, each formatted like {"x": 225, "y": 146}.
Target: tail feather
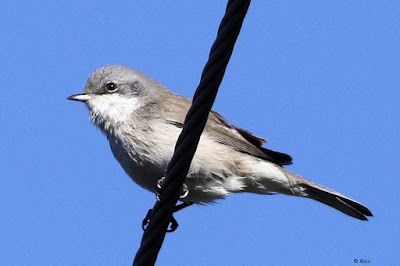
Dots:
{"x": 304, "y": 188}
{"x": 337, "y": 201}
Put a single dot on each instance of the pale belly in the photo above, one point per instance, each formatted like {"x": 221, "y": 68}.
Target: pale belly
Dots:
{"x": 204, "y": 186}
{"x": 215, "y": 172}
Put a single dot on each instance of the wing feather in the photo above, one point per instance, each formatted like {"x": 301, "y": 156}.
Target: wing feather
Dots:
{"x": 221, "y": 131}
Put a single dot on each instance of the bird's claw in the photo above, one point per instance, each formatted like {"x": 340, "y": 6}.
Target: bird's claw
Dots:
{"x": 184, "y": 189}
{"x": 173, "y": 224}
{"x": 146, "y": 220}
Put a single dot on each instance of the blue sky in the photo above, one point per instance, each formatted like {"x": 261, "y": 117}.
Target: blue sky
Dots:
{"x": 320, "y": 80}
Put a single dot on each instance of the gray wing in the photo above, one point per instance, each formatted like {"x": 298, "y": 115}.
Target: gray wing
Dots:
{"x": 243, "y": 140}
{"x": 221, "y": 131}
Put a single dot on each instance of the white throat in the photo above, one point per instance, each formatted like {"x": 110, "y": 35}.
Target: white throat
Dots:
{"x": 109, "y": 111}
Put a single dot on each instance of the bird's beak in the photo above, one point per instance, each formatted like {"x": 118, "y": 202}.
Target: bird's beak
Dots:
{"x": 80, "y": 97}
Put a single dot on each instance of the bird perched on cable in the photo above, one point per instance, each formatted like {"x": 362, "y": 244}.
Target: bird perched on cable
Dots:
{"x": 142, "y": 121}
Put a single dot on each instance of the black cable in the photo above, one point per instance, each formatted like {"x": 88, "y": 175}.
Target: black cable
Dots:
{"x": 196, "y": 118}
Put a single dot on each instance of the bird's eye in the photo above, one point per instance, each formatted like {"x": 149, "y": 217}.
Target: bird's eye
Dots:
{"x": 111, "y": 87}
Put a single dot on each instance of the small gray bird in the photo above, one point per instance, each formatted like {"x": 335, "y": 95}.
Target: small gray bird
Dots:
{"x": 142, "y": 121}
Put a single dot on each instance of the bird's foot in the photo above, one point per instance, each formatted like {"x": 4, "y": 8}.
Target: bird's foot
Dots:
{"x": 173, "y": 224}
{"x": 184, "y": 189}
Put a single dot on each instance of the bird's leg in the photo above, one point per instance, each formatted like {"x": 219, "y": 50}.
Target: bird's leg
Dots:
{"x": 182, "y": 206}
{"x": 146, "y": 220}
{"x": 174, "y": 224}
{"x": 184, "y": 189}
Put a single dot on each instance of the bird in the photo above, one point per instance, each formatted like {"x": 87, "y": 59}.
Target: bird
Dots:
{"x": 142, "y": 121}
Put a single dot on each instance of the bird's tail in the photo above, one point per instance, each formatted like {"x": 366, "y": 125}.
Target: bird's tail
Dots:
{"x": 329, "y": 197}
{"x": 337, "y": 201}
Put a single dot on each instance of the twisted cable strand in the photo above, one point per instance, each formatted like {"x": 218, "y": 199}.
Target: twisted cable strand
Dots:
{"x": 188, "y": 140}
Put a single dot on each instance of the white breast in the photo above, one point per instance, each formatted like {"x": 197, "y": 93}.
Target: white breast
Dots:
{"x": 144, "y": 151}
